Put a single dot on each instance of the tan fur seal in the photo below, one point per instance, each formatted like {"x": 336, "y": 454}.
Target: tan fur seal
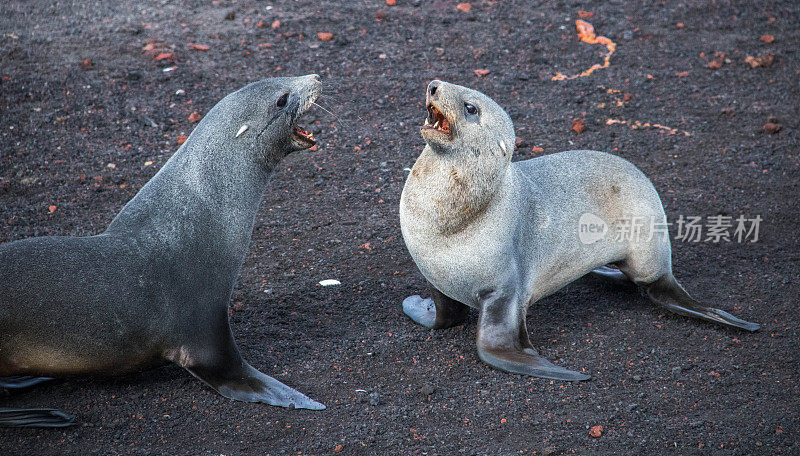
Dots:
{"x": 155, "y": 286}
{"x": 498, "y": 236}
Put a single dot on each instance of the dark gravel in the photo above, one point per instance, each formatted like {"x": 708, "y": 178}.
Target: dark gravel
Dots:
{"x": 79, "y": 94}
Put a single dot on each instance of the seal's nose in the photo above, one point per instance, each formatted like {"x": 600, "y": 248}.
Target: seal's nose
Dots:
{"x": 432, "y": 87}
{"x": 313, "y": 76}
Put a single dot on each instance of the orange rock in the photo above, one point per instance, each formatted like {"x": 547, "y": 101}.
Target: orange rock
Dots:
{"x": 716, "y": 64}
{"x": 596, "y": 431}
{"x": 679, "y": 25}
{"x": 465, "y": 7}
{"x": 391, "y": 2}
{"x": 51, "y": 209}
{"x": 195, "y": 117}
{"x": 87, "y": 63}
{"x": 199, "y": 47}
{"x": 767, "y": 38}
{"x": 760, "y": 61}
{"x": 587, "y": 35}
{"x": 276, "y": 24}
{"x": 585, "y": 14}
{"x": 325, "y": 36}
{"x": 578, "y": 125}
{"x": 772, "y": 127}
{"x": 338, "y": 448}
{"x": 182, "y": 139}
{"x": 537, "y": 149}
{"x": 164, "y": 55}
{"x": 481, "y": 72}
{"x": 683, "y": 74}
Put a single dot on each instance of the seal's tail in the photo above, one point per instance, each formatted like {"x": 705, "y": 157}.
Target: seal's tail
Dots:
{"x": 667, "y": 292}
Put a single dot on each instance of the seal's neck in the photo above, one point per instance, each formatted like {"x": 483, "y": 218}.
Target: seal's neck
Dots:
{"x": 453, "y": 190}
{"x": 204, "y": 198}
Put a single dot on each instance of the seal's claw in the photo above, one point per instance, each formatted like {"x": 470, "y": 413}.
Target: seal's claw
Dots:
{"x": 422, "y": 311}
{"x": 527, "y": 362}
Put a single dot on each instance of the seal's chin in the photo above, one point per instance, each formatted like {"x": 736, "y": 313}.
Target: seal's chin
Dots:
{"x": 436, "y": 125}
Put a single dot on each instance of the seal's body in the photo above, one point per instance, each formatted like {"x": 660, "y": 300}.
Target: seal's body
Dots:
{"x": 155, "y": 286}
{"x": 497, "y": 236}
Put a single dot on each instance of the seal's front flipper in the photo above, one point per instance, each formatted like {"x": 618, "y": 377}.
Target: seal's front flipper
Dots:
{"x": 528, "y": 362}
{"x": 41, "y": 418}
{"x": 437, "y": 312}
{"x": 503, "y": 342}
{"x": 21, "y": 382}
{"x": 667, "y": 292}
{"x": 217, "y": 362}
{"x": 245, "y": 383}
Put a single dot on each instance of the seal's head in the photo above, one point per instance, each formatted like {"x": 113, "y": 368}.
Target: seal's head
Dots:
{"x": 262, "y": 117}
{"x": 461, "y": 119}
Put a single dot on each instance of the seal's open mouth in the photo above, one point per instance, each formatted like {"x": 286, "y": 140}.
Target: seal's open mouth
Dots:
{"x": 436, "y": 121}
{"x": 303, "y": 137}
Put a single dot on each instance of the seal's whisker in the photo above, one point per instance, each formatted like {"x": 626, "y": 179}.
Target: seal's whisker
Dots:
{"x": 338, "y": 118}
{"x": 326, "y": 110}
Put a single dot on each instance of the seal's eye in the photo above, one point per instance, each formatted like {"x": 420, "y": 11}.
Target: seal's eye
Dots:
{"x": 471, "y": 109}
{"x": 282, "y": 100}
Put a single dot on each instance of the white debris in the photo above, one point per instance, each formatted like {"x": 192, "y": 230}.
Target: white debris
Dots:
{"x": 329, "y": 282}
{"x": 241, "y": 130}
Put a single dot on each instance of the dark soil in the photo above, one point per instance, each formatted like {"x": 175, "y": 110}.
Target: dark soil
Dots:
{"x": 84, "y": 110}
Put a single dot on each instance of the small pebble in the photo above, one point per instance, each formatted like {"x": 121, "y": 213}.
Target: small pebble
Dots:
{"x": 374, "y": 398}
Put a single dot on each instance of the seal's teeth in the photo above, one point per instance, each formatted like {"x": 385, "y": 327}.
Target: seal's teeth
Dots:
{"x": 436, "y": 125}
{"x": 241, "y": 130}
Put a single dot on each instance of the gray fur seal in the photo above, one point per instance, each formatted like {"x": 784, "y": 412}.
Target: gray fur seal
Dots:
{"x": 497, "y": 236}
{"x": 155, "y": 285}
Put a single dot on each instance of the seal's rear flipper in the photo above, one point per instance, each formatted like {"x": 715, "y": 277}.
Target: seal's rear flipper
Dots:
{"x": 249, "y": 385}
{"x": 21, "y": 382}
{"x": 667, "y": 292}
{"x": 437, "y": 312}
{"x": 422, "y": 311}
{"x": 41, "y": 418}
{"x": 612, "y": 274}
{"x": 503, "y": 342}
